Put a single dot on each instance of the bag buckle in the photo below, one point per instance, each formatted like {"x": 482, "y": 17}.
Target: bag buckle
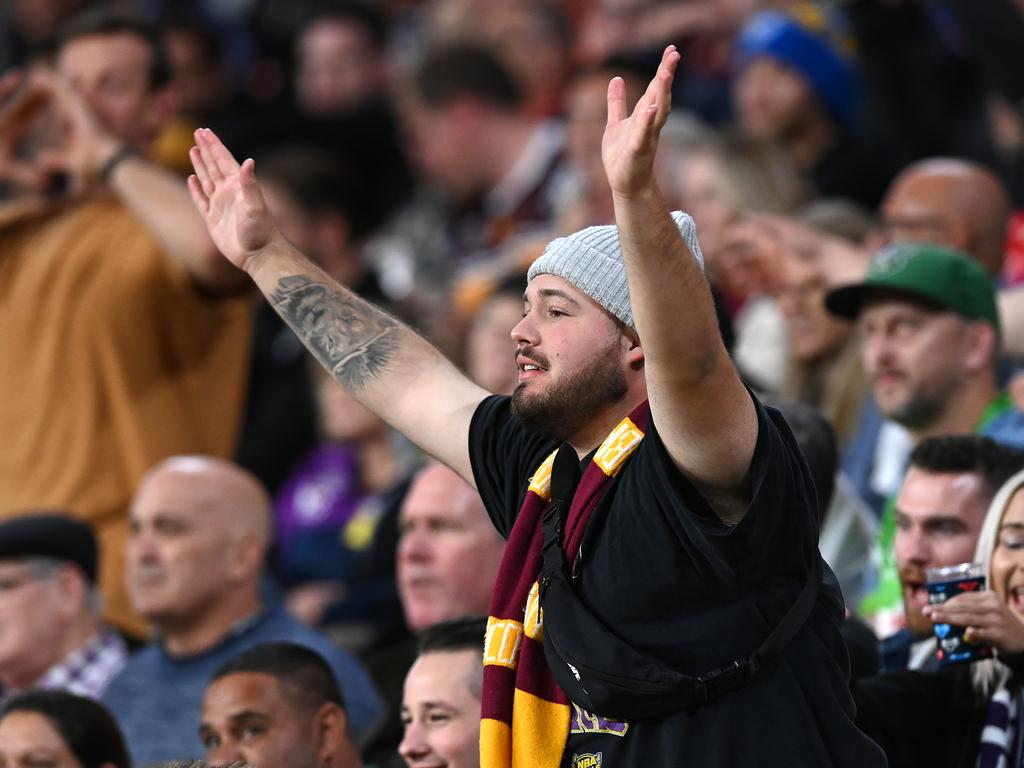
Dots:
{"x": 712, "y": 685}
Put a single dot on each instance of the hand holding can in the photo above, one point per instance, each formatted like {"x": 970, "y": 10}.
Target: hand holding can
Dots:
{"x": 956, "y": 645}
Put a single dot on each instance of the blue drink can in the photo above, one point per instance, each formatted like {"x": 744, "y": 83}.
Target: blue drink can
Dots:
{"x": 943, "y": 584}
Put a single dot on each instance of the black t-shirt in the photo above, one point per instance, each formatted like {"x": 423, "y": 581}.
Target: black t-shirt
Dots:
{"x": 665, "y": 574}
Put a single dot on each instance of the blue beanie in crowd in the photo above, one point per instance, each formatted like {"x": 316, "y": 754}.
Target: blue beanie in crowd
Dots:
{"x": 812, "y": 55}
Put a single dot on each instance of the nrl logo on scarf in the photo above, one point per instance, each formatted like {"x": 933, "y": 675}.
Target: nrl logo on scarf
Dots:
{"x": 588, "y": 760}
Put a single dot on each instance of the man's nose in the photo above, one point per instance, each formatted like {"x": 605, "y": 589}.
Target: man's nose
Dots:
{"x": 225, "y": 754}
{"x": 918, "y": 548}
{"x": 525, "y": 331}
{"x": 413, "y": 745}
{"x": 414, "y": 544}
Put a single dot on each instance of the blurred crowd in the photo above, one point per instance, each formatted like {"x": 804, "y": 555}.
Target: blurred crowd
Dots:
{"x": 201, "y": 530}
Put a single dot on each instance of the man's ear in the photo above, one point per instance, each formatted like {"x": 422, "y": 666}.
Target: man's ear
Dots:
{"x": 982, "y": 347}
{"x": 73, "y": 588}
{"x": 246, "y": 555}
{"x": 634, "y": 352}
{"x": 330, "y": 732}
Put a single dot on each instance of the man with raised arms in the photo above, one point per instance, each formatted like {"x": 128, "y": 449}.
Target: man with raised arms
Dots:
{"x": 663, "y": 518}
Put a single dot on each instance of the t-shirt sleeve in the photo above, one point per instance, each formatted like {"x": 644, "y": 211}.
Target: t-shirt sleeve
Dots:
{"x": 503, "y": 455}
{"x": 782, "y": 508}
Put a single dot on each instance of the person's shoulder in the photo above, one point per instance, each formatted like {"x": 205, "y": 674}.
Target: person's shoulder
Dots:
{"x": 1007, "y": 428}
{"x": 142, "y": 668}
{"x": 145, "y": 656}
{"x": 280, "y": 626}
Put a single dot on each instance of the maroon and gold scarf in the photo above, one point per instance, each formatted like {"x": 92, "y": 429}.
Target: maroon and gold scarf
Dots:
{"x": 525, "y": 715}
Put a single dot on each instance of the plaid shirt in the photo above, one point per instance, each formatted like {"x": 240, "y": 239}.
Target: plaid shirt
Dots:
{"x": 88, "y": 670}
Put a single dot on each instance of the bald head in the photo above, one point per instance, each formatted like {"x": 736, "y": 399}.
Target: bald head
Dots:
{"x": 234, "y": 496}
{"x": 951, "y": 202}
{"x": 200, "y": 531}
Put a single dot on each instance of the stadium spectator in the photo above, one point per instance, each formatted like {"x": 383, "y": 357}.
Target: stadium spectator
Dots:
{"x": 115, "y": 286}
{"x": 59, "y": 730}
{"x": 276, "y": 704}
{"x": 51, "y": 634}
{"x": 441, "y": 701}
{"x": 950, "y": 482}
{"x": 200, "y": 532}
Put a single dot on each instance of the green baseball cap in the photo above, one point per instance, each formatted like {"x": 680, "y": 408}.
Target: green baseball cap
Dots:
{"x": 935, "y": 273}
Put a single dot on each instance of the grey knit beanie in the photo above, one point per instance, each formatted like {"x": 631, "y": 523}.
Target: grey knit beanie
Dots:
{"x": 592, "y": 260}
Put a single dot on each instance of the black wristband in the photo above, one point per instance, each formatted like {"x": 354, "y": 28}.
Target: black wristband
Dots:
{"x": 122, "y": 154}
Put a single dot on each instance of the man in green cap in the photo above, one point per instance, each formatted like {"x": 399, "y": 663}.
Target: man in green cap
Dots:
{"x": 931, "y": 341}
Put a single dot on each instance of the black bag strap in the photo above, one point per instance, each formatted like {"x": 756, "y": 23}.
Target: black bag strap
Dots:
{"x": 679, "y": 691}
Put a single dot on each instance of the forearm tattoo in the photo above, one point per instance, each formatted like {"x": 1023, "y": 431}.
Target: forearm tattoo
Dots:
{"x": 351, "y": 338}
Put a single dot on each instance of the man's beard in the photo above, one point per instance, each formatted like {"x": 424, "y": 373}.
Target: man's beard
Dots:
{"x": 924, "y": 405}
{"x": 920, "y": 411}
{"x": 918, "y": 624}
{"x": 563, "y": 409}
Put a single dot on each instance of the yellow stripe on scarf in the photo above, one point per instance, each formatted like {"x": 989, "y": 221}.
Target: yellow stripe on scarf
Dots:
{"x": 526, "y": 745}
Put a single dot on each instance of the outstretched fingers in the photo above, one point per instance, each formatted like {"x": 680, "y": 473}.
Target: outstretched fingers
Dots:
{"x": 657, "y": 100}
{"x": 250, "y": 188}
{"x": 616, "y": 100}
{"x": 216, "y": 154}
{"x": 199, "y": 197}
{"x": 203, "y": 174}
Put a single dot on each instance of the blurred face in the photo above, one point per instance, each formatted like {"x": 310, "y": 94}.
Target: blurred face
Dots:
{"x": 938, "y": 520}
{"x": 448, "y": 551}
{"x": 586, "y": 114}
{"x": 31, "y": 619}
{"x": 342, "y": 417}
{"x": 917, "y": 208}
{"x": 178, "y": 549}
{"x": 571, "y": 357}
{"x": 811, "y": 331}
{"x": 28, "y": 740}
{"x": 489, "y": 354}
{"x": 247, "y": 720}
{"x": 772, "y": 101}
{"x": 914, "y": 358}
{"x": 704, "y": 193}
{"x": 440, "y": 711}
{"x": 197, "y": 76}
{"x": 338, "y": 67}
{"x": 1008, "y": 557}
{"x": 294, "y": 222}
{"x": 111, "y": 72}
{"x": 533, "y": 52}
{"x": 441, "y": 143}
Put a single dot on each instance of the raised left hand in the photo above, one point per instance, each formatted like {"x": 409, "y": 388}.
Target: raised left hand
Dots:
{"x": 630, "y": 141}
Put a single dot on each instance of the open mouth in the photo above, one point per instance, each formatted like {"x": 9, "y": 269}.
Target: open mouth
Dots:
{"x": 529, "y": 368}
{"x": 1017, "y": 598}
{"x": 915, "y": 594}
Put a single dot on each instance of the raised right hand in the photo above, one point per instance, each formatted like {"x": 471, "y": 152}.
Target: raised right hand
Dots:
{"x": 230, "y": 201}
{"x": 986, "y": 617}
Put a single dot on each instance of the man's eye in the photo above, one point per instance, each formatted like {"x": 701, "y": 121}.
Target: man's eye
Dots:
{"x": 438, "y": 717}
{"x": 210, "y": 741}
{"x": 253, "y": 732}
